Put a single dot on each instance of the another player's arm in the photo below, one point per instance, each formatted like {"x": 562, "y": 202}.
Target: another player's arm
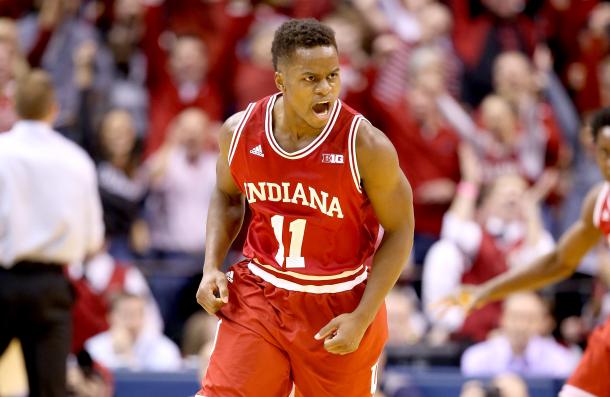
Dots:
{"x": 225, "y": 216}
{"x": 557, "y": 265}
{"x": 392, "y": 200}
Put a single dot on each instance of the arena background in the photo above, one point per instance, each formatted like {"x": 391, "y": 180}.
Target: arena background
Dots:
{"x": 495, "y": 93}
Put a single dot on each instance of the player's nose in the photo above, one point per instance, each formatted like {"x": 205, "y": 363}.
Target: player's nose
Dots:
{"x": 323, "y": 87}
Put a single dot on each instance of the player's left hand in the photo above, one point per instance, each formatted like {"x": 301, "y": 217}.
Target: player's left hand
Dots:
{"x": 342, "y": 335}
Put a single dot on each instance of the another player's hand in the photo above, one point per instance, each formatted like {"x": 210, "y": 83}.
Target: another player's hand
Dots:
{"x": 213, "y": 292}
{"x": 342, "y": 335}
{"x": 467, "y": 298}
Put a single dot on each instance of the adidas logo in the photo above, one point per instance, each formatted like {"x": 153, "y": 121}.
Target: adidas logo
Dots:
{"x": 257, "y": 151}
{"x": 229, "y": 275}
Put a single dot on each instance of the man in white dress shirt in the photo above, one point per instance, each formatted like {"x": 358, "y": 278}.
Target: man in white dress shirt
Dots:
{"x": 520, "y": 346}
{"x": 50, "y": 215}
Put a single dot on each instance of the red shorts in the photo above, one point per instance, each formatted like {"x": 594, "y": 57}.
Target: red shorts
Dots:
{"x": 265, "y": 344}
{"x": 592, "y": 376}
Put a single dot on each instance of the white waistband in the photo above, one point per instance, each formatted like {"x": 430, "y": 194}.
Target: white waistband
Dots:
{"x": 314, "y": 289}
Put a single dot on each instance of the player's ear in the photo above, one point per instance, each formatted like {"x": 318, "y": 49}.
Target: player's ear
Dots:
{"x": 279, "y": 81}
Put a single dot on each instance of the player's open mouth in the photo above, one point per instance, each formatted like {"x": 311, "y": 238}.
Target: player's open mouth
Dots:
{"x": 321, "y": 109}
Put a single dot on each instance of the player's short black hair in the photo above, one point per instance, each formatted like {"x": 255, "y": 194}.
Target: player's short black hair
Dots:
{"x": 600, "y": 120}
{"x": 300, "y": 33}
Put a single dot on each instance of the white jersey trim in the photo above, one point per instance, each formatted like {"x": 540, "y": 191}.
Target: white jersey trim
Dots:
{"x": 341, "y": 275}
{"x": 353, "y": 159}
{"x": 307, "y": 150}
{"x": 599, "y": 204}
{"x": 313, "y": 289}
{"x": 238, "y": 131}
{"x": 571, "y": 391}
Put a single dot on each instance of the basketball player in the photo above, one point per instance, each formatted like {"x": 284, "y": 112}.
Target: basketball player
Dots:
{"x": 305, "y": 307}
{"x": 592, "y": 376}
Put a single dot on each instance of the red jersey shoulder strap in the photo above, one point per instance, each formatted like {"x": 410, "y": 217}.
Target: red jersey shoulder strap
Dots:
{"x": 239, "y": 130}
{"x": 353, "y": 158}
{"x": 601, "y": 212}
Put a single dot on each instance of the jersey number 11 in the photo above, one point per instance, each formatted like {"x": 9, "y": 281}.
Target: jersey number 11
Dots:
{"x": 297, "y": 231}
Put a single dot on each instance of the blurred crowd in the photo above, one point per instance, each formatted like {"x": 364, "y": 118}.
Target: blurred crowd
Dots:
{"x": 484, "y": 100}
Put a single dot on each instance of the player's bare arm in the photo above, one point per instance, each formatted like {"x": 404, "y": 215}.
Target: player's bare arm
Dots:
{"x": 391, "y": 197}
{"x": 555, "y": 266}
{"x": 225, "y": 217}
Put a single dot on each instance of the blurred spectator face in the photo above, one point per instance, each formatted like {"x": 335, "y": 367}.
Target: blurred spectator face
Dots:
{"x": 426, "y": 67}
{"x": 421, "y": 105}
{"x": 118, "y": 134}
{"x": 498, "y": 118}
{"x": 513, "y": 76}
{"x": 502, "y": 210}
{"x": 70, "y": 6}
{"x": 188, "y": 60}
{"x": 6, "y": 61}
{"x": 128, "y": 10}
{"x": 415, "y": 5}
{"x": 602, "y": 146}
{"x": 573, "y": 330}
{"x": 126, "y": 30}
{"x": 435, "y": 21}
{"x": 401, "y": 308}
{"x": 348, "y": 33}
{"x": 599, "y": 20}
{"x": 521, "y": 319}
{"x": 8, "y": 32}
{"x": 194, "y": 131}
{"x": 260, "y": 44}
{"x": 427, "y": 81}
{"x": 128, "y": 313}
{"x": 504, "y": 8}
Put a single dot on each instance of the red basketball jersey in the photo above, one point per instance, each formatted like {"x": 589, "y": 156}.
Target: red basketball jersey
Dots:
{"x": 313, "y": 227}
{"x": 601, "y": 219}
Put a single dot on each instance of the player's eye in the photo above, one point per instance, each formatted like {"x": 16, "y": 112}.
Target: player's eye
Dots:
{"x": 333, "y": 75}
{"x": 310, "y": 78}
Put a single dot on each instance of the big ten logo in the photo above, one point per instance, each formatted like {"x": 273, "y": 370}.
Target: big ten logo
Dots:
{"x": 332, "y": 158}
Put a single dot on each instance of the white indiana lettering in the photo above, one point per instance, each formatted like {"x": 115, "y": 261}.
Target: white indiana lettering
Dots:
{"x": 274, "y": 192}
{"x": 296, "y": 194}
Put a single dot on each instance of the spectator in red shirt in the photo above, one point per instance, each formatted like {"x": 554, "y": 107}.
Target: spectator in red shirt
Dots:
{"x": 479, "y": 242}
{"x": 351, "y": 33}
{"x": 516, "y": 131}
{"x": 426, "y": 145}
{"x": 177, "y": 79}
{"x": 479, "y": 39}
{"x": 254, "y": 75}
{"x": 585, "y": 74}
{"x": 543, "y": 150}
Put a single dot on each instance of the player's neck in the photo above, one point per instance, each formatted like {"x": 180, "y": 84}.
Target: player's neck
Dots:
{"x": 288, "y": 122}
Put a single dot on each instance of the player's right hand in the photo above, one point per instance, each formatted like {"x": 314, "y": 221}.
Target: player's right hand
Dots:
{"x": 213, "y": 291}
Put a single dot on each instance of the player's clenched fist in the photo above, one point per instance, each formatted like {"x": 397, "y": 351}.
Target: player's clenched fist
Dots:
{"x": 213, "y": 292}
{"x": 342, "y": 335}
